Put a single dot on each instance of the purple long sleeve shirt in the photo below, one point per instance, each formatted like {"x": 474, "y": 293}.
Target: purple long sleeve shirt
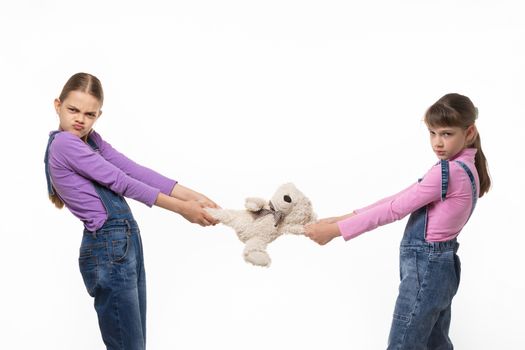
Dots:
{"x": 73, "y": 166}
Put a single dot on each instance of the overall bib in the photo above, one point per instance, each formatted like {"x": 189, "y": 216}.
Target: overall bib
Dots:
{"x": 430, "y": 274}
{"x": 112, "y": 267}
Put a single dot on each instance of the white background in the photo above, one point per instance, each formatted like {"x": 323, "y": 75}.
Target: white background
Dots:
{"x": 233, "y": 98}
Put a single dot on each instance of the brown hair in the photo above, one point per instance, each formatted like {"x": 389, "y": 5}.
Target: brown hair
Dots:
{"x": 458, "y": 111}
{"x": 83, "y": 82}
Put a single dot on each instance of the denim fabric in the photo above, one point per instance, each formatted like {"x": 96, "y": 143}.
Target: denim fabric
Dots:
{"x": 430, "y": 275}
{"x": 444, "y": 178}
{"x": 50, "y": 189}
{"x": 112, "y": 266}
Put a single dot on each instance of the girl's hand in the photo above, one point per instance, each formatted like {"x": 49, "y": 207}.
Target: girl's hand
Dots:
{"x": 322, "y": 232}
{"x": 194, "y": 212}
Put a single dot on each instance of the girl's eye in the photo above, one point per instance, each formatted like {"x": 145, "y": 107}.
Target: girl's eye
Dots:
{"x": 72, "y": 110}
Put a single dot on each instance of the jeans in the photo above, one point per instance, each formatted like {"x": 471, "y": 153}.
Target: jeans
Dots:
{"x": 112, "y": 267}
{"x": 429, "y": 280}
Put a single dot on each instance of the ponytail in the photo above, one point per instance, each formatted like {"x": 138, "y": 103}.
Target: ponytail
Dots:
{"x": 482, "y": 168}
{"x": 56, "y": 201}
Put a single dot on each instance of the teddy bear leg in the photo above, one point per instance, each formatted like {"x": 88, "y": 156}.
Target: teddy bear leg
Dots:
{"x": 255, "y": 252}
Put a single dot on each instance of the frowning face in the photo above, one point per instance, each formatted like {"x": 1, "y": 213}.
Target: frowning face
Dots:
{"x": 448, "y": 141}
{"x": 78, "y": 112}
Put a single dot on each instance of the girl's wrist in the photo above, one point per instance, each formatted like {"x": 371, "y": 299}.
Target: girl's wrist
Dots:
{"x": 182, "y": 208}
{"x": 182, "y": 193}
{"x": 335, "y": 230}
{"x": 170, "y": 203}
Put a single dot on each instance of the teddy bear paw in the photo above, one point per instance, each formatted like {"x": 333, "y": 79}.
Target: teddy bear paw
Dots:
{"x": 252, "y": 205}
{"x": 258, "y": 258}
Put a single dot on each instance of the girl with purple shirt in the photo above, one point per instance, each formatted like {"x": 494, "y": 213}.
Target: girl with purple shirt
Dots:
{"x": 91, "y": 178}
{"x": 440, "y": 205}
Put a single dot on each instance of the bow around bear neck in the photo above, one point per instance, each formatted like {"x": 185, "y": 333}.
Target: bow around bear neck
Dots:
{"x": 277, "y": 214}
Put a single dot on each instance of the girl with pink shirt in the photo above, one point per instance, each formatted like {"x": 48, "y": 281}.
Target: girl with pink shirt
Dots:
{"x": 440, "y": 205}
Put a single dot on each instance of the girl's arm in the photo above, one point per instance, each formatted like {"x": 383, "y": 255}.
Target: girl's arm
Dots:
{"x": 381, "y": 213}
{"x": 70, "y": 151}
{"x": 384, "y": 200}
{"x": 81, "y": 159}
{"x": 131, "y": 168}
{"x": 148, "y": 176}
{"x": 335, "y": 219}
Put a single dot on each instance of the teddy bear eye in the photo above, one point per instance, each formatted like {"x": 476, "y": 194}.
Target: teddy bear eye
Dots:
{"x": 287, "y": 199}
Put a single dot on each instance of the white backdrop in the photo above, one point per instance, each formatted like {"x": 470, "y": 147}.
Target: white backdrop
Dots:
{"x": 233, "y": 98}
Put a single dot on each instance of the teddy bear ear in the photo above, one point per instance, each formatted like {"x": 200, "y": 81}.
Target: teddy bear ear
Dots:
{"x": 289, "y": 185}
{"x": 313, "y": 215}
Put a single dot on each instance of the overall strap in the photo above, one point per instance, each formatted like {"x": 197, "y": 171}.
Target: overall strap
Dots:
{"x": 92, "y": 143}
{"x": 116, "y": 206}
{"x": 444, "y": 178}
{"x": 50, "y": 189}
{"x": 473, "y": 184}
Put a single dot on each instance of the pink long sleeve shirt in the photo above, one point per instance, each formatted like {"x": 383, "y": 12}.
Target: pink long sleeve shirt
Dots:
{"x": 445, "y": 218}
{"x": 74, "y": 166}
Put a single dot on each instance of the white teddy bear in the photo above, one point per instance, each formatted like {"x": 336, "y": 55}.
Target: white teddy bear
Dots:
{"x": 263, "y": 221}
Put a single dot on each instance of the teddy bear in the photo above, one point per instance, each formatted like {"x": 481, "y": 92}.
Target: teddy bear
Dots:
{"x": 264, "y": 220}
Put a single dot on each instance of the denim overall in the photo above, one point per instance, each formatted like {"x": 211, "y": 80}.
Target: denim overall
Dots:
{"x": 430, "y": 274}
{"x": 112, "y": 267}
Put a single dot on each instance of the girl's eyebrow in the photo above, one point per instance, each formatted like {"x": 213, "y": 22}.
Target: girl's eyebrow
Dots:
{"x": 441, "y": 130}
{"x": 76, "y": 109}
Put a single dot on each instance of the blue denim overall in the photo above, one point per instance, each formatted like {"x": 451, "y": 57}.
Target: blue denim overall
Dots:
{"x": 112, "y": 267}
{"x": 430, "y": 274}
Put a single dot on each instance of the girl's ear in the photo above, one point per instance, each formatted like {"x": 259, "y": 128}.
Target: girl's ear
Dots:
{"x": 57, "y": 104}
{"x": 99, "y": 113}
{"x": 472, "y": 133}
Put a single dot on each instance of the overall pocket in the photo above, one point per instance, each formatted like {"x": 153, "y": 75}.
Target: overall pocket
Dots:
{"x": 89, "y": 266}
{"x": 457, "y": 267}
{"x": 410, "y": 285}
{"x": 119, "y": 244}
{"x": 120, "y": 249}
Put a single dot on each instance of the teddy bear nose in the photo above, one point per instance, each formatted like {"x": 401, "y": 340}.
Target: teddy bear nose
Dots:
{"x": 287, "y": 199}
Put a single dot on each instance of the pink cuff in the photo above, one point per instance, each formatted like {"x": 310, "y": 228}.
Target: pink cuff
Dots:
{"x": 345, "y": 229}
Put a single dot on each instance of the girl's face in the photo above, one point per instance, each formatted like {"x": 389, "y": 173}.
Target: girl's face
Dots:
{"x": 78, "y": 112}
{"x": 448, "y": 141}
